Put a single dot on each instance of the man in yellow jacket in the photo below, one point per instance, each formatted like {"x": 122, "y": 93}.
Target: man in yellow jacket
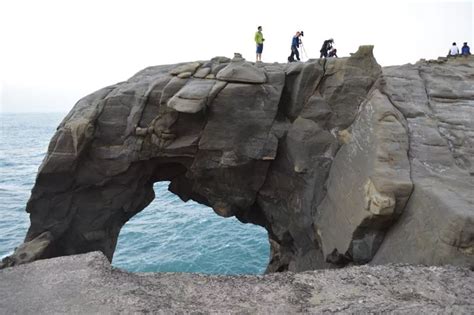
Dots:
{"x": 259, "y": 40}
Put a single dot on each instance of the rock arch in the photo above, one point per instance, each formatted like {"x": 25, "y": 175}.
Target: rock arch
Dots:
{"x": 321, "y": 154}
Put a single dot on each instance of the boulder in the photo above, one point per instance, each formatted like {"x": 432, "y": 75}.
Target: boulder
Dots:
{"x": 194, "y": 96}
{"x": 185, "y": 68}
{"x": 241, "y": 72}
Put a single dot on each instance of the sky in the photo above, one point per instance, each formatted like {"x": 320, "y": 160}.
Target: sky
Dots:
{"x": 53, "y": 52}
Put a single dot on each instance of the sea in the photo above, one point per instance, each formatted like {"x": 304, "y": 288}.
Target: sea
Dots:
{"x": 167, "y": 236}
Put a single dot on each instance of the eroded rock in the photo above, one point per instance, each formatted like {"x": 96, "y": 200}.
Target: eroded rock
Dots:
{"x": 193, "y": 97}
{"x": 369, "y": 183}
{"x": 189, "y": 68}
{"x": 241, "y": 71}
{"x": 29, "y": 251}
{"x": 438, "y": 101}
{"x": 340, "y": 160}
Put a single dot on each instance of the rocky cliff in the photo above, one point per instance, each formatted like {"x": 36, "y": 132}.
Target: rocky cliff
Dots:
{"x": 342, "y": 161}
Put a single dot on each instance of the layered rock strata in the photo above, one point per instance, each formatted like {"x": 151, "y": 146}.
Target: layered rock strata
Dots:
{"x": 340, "y": 160}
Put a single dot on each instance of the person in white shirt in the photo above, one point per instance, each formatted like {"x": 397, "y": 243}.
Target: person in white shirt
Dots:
{"x": 454, "y": 51}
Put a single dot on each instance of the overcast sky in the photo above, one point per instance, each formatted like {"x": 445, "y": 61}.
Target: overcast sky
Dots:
{"x": 54, "y": 52}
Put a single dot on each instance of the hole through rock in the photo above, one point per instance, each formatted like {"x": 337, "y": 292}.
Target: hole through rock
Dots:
{"x": 175, "y": 236}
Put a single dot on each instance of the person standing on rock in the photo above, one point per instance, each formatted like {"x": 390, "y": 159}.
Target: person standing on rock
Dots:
{"x": 327, "y": 45}
{"x": 465, "y": 50}
{"x": 295, "y": 44}
{"x": 454, "y": 51}
{"x": 259, "y": 41}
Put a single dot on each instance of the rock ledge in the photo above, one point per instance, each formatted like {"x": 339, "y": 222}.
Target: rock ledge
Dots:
{"x": 88, "y": 284}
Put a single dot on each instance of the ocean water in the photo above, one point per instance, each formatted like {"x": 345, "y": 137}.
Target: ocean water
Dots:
{"x": 168, "y": 236}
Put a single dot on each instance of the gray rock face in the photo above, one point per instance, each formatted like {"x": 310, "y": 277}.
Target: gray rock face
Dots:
{"x": 86, "y": 284}
{"x": 341, "y": 161}
{"x": 369, "y": 183}
{"x": 242, "y": 72}
{"x": 195, "y": 95}
{"x": 437, "y": 99}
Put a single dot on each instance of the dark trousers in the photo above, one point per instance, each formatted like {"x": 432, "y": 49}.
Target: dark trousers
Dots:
{"x": 294, "y": 52}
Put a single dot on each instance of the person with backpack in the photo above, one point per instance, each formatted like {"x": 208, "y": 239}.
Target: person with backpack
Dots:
{"x": 453, "y": 51}
{"x": 259, "y": 41}
{"x": 327, "y": 45}
{"x": 465, "y": 50}
{"x": 295, "y": 44}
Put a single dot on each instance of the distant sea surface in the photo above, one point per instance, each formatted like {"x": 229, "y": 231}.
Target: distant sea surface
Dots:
{"x": 168, "y": 236}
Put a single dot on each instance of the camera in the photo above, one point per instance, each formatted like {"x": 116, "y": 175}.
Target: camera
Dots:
{"x": 302, "y": 33}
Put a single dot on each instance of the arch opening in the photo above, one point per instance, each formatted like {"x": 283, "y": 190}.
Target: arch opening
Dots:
{"x": 170, "y": 235}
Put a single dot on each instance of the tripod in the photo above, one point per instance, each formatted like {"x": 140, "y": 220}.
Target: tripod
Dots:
{"x": 303, "y": 50}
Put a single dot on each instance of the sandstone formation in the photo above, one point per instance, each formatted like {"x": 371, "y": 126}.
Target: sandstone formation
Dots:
{"x": 86, "y": 284}
{"x": 341, "y": 161}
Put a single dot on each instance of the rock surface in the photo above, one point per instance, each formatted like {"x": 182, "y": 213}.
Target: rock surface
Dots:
{"x": 86, "y": 284}
{"x": 371, "y": 176}
{"x": 342, "y": 162}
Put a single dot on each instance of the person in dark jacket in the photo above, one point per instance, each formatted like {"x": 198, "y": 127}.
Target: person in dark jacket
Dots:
{"x": 465, "y": 50}
{"x": 333, "y": 53}
{"x": 327, "y": 45}
{"x": 295, "y": 44}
